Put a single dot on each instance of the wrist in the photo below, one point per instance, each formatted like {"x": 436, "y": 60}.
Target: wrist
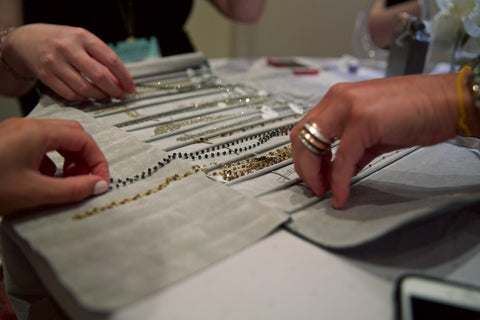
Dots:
{"x": 468, "y": 101}
{"x": 19, "y": 76}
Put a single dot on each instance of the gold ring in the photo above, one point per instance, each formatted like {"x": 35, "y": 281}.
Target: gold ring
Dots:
{"x": 312, "y": 143}
{"x": 315, "y": 131}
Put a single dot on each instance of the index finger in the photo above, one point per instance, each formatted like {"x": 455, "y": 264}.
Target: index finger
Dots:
{"x": 103, "y": 54}
{"x": 333, "y": 116}
{"x": 310, "y": 167}
{"x": 349, "y": 153}
{"x": 69, "y": 136}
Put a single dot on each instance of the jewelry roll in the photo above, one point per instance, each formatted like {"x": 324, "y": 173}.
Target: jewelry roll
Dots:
{"x": 313, "y": 129}
{"x": 312, "y": 143}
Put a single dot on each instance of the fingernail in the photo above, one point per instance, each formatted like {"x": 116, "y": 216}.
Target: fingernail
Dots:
{"x": 100, "y": 187}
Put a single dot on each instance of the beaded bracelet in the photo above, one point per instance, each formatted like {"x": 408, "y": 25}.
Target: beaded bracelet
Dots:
{"x": 461, "y": 106}
{"x": 3, "y": 63}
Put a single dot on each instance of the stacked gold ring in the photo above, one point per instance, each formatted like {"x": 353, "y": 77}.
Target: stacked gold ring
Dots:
{"x": 313, "y": 139}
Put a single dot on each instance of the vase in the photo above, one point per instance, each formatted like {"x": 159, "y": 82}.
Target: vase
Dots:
{"x": 466, "y": 51}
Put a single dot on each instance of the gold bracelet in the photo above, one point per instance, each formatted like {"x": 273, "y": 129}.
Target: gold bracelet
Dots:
{"x": 4, "y": 64}
{"x": 461, "y": 106}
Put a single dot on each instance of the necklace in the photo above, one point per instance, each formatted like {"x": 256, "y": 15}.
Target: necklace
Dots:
{"x": 174, "y": 126}
{"x": 233, "y": 102}
{"x": 247, "y": 166}
{"x": 223, "y": 149}
{"x": 163, "y": 185}
{"x": 178, "y": 83}
{"x": 130, "y": 113}
{"x": 100, "y": 107}
{"x": 232, "y": 147}
{"x": 127, "y": 17}
{"x": 232, "y": 171}
{"x": 118, "y": 182}
{"x": 255, "y": 122}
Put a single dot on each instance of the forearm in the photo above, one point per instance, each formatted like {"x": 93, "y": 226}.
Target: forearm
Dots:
{"x": 248, "y": 11}
{"x": 11, "y": 16}
{"x": 14, "y": 84}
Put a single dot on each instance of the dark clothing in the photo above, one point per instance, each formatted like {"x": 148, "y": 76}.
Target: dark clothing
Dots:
{"x": 394, "y": 2}
{"x": 104, "y": 18}
{"x": 108, "y": 20}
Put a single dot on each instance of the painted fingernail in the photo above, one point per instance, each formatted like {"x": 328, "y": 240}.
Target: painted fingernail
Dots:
{"x": 100, "y": 187}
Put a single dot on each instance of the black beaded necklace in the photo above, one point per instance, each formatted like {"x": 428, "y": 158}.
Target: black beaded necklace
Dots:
{"x": 224, "y": 149}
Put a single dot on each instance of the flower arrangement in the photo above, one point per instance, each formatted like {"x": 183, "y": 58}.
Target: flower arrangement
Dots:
{"x": 456, "y": 24}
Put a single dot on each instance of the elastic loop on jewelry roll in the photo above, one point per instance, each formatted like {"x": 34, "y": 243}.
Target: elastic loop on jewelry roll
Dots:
{"x": 315, "y": 131}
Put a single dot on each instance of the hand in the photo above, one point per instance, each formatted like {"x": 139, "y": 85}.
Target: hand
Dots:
{"x": 6, "y": 309}
{"x": 247, "y": 11}
{"x": 71, "y": 61}
{"x": 26, "y": 176}
{"x": 374, "y": 117}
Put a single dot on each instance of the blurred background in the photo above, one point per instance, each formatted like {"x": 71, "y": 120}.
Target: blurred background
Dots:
{"x": 287, "y": 28}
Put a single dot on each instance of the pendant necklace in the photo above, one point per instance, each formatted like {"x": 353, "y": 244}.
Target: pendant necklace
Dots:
{"x": 127, "y": 18}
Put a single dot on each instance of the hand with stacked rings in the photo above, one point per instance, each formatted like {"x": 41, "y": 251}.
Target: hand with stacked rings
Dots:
{"x": 373, "y": 117}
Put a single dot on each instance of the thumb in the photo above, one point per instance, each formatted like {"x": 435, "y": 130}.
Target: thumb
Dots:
{"x": 54, "y": 190}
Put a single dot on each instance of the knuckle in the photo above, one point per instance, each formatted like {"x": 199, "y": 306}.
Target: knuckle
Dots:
{"x": 42, "y": 73}
{"x": 112, "y": 60}
{"x": 83, "y": 89}
{"x": 337, "y": 89}
{"x": 98, "y": 76}
{"x": 345, "y": 92}
{"x": 80, "y": 32}
{"x": 62, "y": 47}
{"x": 47, "y": 61}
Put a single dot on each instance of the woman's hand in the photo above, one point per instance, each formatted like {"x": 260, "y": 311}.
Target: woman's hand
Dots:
{"x": 71, "y": 61}
{"x": 374, "y": 117}
{"x": 26, "y": 176}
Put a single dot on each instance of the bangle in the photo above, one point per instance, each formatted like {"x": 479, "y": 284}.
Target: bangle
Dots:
{"x": 4, "y": 64}
{"x": 461, "y": 106}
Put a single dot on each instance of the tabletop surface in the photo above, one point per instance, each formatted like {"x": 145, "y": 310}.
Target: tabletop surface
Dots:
{"x": 283, "y": 275}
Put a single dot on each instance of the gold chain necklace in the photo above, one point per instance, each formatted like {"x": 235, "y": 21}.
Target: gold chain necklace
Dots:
{"x": 232, "y": 171}
{"x": 163, "y": 185}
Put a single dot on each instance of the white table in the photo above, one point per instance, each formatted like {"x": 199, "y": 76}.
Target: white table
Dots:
{"x": 285, "y": 277}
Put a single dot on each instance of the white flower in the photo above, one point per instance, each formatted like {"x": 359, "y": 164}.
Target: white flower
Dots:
{"x": 454, "y": 17}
